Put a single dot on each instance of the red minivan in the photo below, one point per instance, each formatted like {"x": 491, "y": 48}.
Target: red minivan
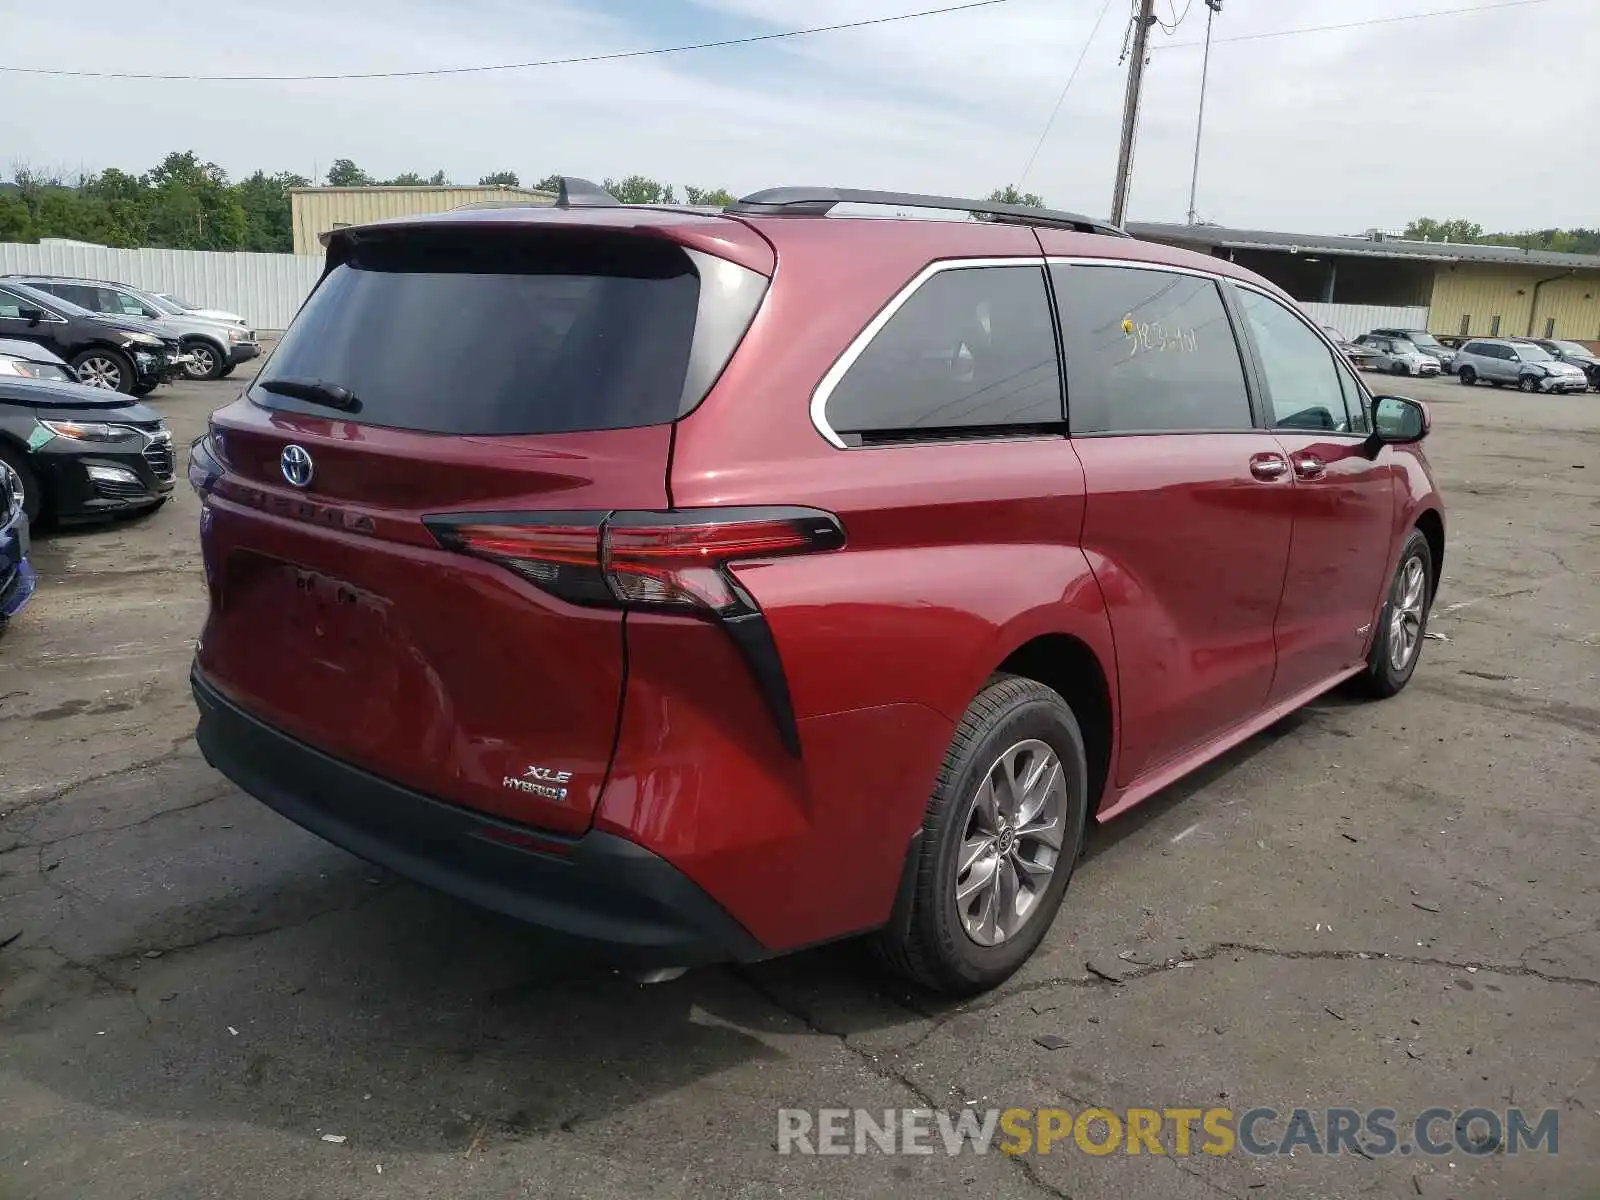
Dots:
{"x": 705, "y": 585}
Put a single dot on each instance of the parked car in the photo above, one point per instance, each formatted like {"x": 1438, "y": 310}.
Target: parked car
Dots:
{"x": 1398, "y": 356}
{"x": 579, "y": 562}
{"x": 1532, "y": 368}
{"x": 118, "y": 353}
{"x": 1423, "y": 341}
{"x": 30, "y": 360}
{"x": 212, "y": 347}
{"x": 80, "y": 453}
{"x": 16, "y": 573}
{"x": 1361, "y": 357}
{"x": 211, "y": 314}
{"x": 1574, "y": 353}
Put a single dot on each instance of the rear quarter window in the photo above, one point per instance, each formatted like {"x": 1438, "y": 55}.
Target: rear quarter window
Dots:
{"x": 473, "y": 332}
{"x": 972, "y": 349}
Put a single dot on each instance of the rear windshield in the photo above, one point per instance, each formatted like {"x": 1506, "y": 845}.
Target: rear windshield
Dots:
{"x": 481, "y": 333}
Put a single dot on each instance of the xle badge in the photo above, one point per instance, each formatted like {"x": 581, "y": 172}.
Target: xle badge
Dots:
{"x": 540, "y": 781}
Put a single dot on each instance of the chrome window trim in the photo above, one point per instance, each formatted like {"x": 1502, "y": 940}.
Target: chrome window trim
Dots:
{"x": 50, "y": 317}
{"x": 858, "y": 345}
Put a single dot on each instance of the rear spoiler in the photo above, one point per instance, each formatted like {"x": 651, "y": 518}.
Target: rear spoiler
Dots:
{"x": 571, "y": 192}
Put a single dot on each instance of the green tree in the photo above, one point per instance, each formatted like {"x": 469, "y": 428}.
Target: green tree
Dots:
{"x": 345, "y": 173}
{"x": 125, "y": 206}
{"x": 550, "y": 183}
{"x": 192, "y": 206}
{"x": 1010, "y": 195}
{"x": 16, "y": 222}
{"x": 720, "y": 197}
{"x": 499, "y": 179}
{"x": 1426, "y": 229}
{"x": 265, "y": 201}
{"x": 639, "y": 189}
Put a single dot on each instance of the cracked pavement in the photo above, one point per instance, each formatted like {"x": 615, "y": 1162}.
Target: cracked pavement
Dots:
{"x": 1368, "y": 905}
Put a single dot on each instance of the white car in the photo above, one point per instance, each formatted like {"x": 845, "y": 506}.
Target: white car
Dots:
{"x": 177, "y": 304}
{"x": 1398, "y": 356}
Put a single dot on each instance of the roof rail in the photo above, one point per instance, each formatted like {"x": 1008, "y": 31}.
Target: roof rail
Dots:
{"x": 580, "y": 193}
{"x": 818, "y": 202}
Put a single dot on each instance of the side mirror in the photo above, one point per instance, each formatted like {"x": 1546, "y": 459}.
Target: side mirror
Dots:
{"x": 1397, "y": 421}
{"x": 31, "y": 315}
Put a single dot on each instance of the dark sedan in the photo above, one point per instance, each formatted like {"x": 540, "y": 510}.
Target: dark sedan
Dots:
{"x": 82, "y": 452}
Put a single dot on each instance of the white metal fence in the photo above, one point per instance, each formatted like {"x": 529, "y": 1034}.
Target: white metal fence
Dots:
{"x": 265, "y": 289}
{"x": 1353, "y": 320}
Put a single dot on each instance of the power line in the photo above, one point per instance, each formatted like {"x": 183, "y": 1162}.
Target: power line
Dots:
{"x": 1422, "y": 16}
{"x": 522, "y": 66}
{"x": 1076, "y": 67}
{"x": 1172, "y": 7}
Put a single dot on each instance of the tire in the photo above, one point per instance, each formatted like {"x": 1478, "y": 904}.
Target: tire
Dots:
{"x": 1384, "y": 677}
{"x": 104, "y": 368}
{"x": 142, "y": 389}
{"x": 1013, "y": 724}
{"x": 1527, "y": 383}
{"x": 208, "y": 363}
{"x": 1467, "y": 376}
{"x": 32, "y": 492}
{"x": 1399, "y": 369}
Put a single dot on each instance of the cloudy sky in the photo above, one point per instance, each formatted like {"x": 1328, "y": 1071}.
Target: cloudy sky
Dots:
{"x": 1489, "y": 116}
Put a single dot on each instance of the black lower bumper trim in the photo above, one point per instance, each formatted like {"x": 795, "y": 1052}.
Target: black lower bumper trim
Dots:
{"x": 606, "y": 892}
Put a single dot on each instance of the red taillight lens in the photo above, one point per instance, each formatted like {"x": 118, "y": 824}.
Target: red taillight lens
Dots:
{"x": 647, "y": 559}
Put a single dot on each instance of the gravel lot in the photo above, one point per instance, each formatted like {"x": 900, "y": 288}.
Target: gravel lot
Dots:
{"x": 1391, "y": 905}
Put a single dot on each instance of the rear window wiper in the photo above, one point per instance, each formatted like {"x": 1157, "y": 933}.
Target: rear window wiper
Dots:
{"x": 315, "y": 391}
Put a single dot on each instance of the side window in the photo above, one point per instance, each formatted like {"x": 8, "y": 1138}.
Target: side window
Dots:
{"x": 1301, "y": 375}
{"x": 1355, "y": 401}
{"x": 76, "y": 293}
{"x": 1148, "y": 351}
{"x": 121, "y": 302}
{"x": 12, "y": 305}
{"x": 971, "y": 349}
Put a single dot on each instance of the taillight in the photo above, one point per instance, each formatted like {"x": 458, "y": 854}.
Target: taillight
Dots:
{"x": 674, "y": 561}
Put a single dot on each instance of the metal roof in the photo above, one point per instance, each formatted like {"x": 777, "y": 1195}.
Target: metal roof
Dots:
{"x": 1386, "y": 247}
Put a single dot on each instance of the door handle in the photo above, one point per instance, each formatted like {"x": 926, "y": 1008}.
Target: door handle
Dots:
{"x": 1309, "y": 466}
{"x": 1268, "y": 467}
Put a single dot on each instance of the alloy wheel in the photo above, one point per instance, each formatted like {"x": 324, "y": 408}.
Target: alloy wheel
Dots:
{"x": 205, "y": 361}
{"x": 1011, "y": 842}
{"x": 1405, "y": 620}
{"x": 99, "y": 372}
{"x": 12, "y": 497}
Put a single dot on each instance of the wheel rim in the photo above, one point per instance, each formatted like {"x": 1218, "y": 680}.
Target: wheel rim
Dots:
{"x": 203, "y": 362}
{"x": 1528, "y": 385}
{"x": 16, "y": 499}
{"x": 1011, "y": 842}
{"x": 101, "y": 373}
{"x": 1405, "y": 621}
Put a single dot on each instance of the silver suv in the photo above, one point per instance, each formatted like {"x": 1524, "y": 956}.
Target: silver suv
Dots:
{"x": 211, "y": 348}
{"x": 1530, "y": 367}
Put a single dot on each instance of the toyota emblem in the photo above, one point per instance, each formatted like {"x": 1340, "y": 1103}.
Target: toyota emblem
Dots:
{"x": 295, "y": 462}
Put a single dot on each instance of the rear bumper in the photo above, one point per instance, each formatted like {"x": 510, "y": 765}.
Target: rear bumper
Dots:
{"x": 606, "y": 892}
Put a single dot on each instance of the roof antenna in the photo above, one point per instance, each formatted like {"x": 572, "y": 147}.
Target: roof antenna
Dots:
{"x": 580, "y": 193}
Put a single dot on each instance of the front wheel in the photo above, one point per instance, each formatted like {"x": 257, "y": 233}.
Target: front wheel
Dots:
{"x": 104, "y": 368}
{"x": 1399, "y": 369}
{"x": 17, "y": 479}
{"x": 1467, "y": 376}
{"x": 1402, "y": 623}
{"x": 1527, "y": 384}
{"x": 1000, "y": 838}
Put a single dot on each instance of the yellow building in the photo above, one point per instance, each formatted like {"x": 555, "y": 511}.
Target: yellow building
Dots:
{"x": 1456, "y": 289}
{"x": 314, "y": 211}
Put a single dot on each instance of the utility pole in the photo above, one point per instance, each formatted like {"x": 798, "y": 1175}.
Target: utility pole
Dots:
{"x": 1199, "y": 123}
{"x": 1130, "y": 107}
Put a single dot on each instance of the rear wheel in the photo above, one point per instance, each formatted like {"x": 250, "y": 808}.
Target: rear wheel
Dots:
{"x": 207, "y": 362}
{"x": 1000, "y": 838}
{"x": 1468, "y": 376}
{"x": 1403, "y": 622}
{"x": 104, "y": 368}
{"x": 1528, "y": 383}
